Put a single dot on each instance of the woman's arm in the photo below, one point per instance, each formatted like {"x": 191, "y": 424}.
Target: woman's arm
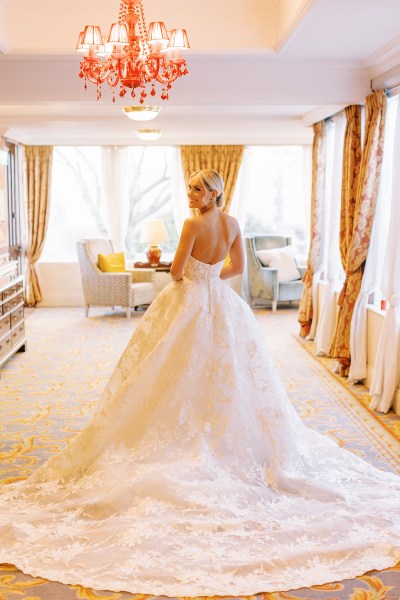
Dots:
{"x": 184, "y": 250}
{"x": 236, "y": 254}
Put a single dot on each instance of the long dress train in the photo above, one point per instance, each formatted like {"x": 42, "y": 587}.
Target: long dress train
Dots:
{"x": 195, "y": 475}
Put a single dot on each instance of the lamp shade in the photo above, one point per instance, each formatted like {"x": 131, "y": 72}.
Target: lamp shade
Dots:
{"x": 79, "y": 46}
{"x": 118, "y": 34}
{"x": 178, "y": 40}
{"x": 157, "y": 33}
{"x": 153, "y": 232}
{"x": 92, "y": 36}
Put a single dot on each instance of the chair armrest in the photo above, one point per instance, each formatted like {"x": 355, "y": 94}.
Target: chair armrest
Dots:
{"x": 302, "y": 270}
{"x": 269, "y": 274}
{"x": 112, "y": 278}
{"x": 143, "y": 275}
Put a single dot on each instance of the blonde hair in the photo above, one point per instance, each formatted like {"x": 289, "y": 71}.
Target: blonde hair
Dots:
{"x": 211, "y": 180}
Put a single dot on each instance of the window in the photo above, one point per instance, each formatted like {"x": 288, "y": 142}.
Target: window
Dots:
{"x": 276, "y": 196}
{"x": 278, "y": 193}
{"x": 78, "y": 207}
{"x": 150, "y": 196}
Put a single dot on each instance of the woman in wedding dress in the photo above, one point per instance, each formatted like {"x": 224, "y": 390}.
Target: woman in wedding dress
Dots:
{"x": 196, "y": 476}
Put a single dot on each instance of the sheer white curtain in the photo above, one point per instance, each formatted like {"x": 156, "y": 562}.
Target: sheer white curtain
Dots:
{"x": 178, "y": 189}
{"x": 330, "y": 142}
{"x": 333, "y": 270}
{"x": 386, "y": 372}
{"x": 371, "y": 281}
{"x": 115, "y": 193}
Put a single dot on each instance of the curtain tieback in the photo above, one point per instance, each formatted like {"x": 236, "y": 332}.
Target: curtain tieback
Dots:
{"x": 308, "y": 276}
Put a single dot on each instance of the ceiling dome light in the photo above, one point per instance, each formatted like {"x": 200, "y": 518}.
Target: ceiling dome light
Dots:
{"x": 148, "y": 135}
{"x": 141, "y": 113}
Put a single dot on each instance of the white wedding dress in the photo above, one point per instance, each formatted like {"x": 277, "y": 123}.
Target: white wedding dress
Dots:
{"x": 195, "y": 475}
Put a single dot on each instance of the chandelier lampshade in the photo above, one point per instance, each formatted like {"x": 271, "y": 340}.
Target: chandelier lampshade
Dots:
{"x": 92, "y": 36}
{"x": 133, "y": 57}
{"x": 178, "y": 39}
{"x": 79, "y": 45}
{"x": 118, "y": 34}
{"x": 157, "y": 33}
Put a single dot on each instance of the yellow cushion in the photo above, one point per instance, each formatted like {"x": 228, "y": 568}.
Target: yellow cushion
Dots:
{"x": 112, "y": 263}
{"x": 227, "y": 261}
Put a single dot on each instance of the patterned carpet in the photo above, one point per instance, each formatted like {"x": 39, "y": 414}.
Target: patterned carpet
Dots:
{"x": 48, "y": 393}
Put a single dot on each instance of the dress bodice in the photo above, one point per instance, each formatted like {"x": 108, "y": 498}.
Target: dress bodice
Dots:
{"x": 196, "y": 270}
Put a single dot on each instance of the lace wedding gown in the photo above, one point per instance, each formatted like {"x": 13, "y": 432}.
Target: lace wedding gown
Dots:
{"x": 196, "y": 476}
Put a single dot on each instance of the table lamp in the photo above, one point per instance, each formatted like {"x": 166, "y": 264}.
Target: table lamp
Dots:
{"x": 152, "y": 233}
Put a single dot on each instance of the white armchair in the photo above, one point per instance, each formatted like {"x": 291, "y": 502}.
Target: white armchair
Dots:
{"x": 128, "y": 290}
{"x": 263, "y": 282}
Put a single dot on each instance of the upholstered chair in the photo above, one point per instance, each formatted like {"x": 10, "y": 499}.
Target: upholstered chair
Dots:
{"x": 128, "y": 290}
{"x": 264, "y": 286}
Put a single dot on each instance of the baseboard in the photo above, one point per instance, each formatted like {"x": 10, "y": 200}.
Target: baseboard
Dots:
{"x": 62, "y": 300}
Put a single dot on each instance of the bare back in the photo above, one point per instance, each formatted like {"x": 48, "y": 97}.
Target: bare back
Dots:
{"x": 216, "y": 232}
{"x": 209, "y": 238}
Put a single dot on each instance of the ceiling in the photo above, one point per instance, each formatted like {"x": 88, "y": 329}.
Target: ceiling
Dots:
{"x": 260, "y": 71}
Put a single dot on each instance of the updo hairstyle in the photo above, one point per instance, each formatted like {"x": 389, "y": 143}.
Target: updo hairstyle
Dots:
{"x": 211, "y": 180}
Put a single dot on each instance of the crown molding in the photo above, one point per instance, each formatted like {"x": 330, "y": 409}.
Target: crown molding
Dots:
{"x": 384, "y": 59}
{"x": 320, "y": 113}
{"x": 292, "y": 24}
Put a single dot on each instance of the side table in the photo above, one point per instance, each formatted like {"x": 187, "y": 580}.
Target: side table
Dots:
{"x": 161, "y": 274}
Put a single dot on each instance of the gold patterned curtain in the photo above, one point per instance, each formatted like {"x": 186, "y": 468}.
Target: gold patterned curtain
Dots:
{"x": 351, "y": 170}
{"x": 38, "y": 161}
{"x": 224, "y": 159}
{"x": 317, "y": 196}
{"x": 364, "y": 212}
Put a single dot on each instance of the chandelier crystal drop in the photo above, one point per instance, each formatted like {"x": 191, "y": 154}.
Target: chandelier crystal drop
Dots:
{"x": 133, "y": 57}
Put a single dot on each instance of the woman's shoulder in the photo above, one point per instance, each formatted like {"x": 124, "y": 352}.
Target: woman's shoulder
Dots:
{"x": 192, "y": 221}
{"x": 232, "y": 221}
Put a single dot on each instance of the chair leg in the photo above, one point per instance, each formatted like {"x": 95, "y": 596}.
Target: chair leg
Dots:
{"x": 274, "y": 306}
{"x": 128, "y": 312}
{"x": 87, "y": 310}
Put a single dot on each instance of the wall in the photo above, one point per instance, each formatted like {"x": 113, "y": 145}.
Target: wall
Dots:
{"x": 375, "y": 318}
{"x": 60, "y": 284}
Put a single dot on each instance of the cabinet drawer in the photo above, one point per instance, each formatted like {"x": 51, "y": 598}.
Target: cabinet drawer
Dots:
{"x": 10, "y": 304}
{"x": 9, "y": 292}
{"x": 5, "y": 324}
{"x": 17, "y": 333}
{"x": 16, "y": 316}
{"x": 5, "y": 345}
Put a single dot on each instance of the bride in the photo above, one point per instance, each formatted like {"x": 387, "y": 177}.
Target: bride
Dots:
{"x": 195, "y": 476}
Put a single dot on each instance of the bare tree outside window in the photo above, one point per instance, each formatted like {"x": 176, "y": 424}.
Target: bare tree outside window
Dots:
{"x": 149, "y": 196}
{"x": 77, "y": 208}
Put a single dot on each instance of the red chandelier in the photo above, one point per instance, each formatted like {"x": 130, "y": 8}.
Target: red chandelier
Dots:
{"x": 132, "y": 59}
